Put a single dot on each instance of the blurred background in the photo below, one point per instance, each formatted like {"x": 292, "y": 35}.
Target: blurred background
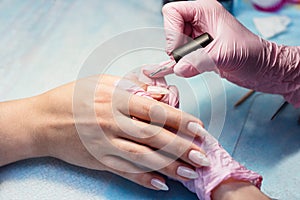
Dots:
{"x": 44, "y": 45}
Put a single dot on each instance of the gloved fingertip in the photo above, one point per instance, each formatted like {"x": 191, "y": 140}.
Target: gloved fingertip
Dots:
{"x": 147, "y": 72}
{"x": 185, "y": 70}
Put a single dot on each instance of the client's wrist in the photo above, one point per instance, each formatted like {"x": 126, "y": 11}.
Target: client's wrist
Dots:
{"x": 232, "y": 189}
{"x": 19, "y": 136}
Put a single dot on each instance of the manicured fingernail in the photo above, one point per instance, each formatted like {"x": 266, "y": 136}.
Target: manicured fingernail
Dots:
{"x": 159, "y": 184}
{"x": 157, "y": 90}
{"x": 197, "y": 129}
{"x": 187, "y": 172}
{"x": 198, "y": 158}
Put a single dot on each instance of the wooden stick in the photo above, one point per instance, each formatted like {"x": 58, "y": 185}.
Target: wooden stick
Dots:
{"x": 279, "y": 109}
{"x": 244, "y": 98}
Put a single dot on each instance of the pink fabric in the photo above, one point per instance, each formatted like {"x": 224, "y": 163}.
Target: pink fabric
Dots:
{"x": 235, "y": 53}
{"x": 223, "y": 166}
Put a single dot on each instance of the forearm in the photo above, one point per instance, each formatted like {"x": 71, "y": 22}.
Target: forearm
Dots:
{"x": 267, "y": 67}
{"x": 18, "y": 136}
{"x": 281, "y": 73}
{"x": 288, "y": 63}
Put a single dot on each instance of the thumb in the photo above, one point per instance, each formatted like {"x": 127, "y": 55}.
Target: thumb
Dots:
{"x": 195, "y": 63}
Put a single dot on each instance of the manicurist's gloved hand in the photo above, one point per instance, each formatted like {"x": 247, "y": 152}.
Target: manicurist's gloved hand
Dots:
{"x": 99, "y": 124}
{"x": 235, "y": 53}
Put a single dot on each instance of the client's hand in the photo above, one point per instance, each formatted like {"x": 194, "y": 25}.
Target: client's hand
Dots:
{"x": 95, "y": 124}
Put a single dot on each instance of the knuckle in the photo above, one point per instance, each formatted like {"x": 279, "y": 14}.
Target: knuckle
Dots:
{"x": 164, "y": 9}
{"x": 150, "y": 132}
{"x": 137, "y": 155}
{"x": 171, "y": 170}
{"x": 156, "y": 138}
{"x": 178, "y": 119}
{"x": 167, "y": 7}
{"x": 146, "y": 132}
{"x": 181, "y": 148}
{"x": 105, "y": 124}
{"x": 143, "y": 178}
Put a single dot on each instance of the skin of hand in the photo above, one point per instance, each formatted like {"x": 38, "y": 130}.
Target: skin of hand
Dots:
{"x": 235, "y": 190}
{"x": 235, "y": 52}
{"x": 100, "y": 132}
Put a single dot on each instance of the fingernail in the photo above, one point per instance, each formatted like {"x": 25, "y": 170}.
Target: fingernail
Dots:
{"x": 198, "y": 158}
{"x": 157, "y": 90}
{"x": 159, "y": 184}
{"x": 197, "y": 129}
{"x": 187, "y": 172}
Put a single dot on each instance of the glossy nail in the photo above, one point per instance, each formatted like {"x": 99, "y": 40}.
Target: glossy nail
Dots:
{"x": 159, "y": 184}
{"x": 196, "y": 129}
{"x": 199, "y": 158}
{"x": 157, "y": 90}
{"x": 187, "y": 172}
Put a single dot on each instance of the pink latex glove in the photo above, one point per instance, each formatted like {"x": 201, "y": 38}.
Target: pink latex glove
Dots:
{"x": 223, "y": 166}
{"x": 235, "y": 53}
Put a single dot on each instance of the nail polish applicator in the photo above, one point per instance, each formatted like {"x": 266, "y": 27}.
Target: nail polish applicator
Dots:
{"x": 197, "y": 43}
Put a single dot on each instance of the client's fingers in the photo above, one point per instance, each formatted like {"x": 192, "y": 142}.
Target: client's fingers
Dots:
{"x": 176, "y": 146}
{"x": 163, "y": 114}
{"x": 150, "y": 160}
{"x": 131, "y": 172}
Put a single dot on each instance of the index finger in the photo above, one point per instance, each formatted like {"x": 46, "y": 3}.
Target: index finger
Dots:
{"x": 178, "y": 17}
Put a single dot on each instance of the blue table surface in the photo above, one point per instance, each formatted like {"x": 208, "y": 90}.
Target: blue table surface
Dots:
{"x": 45, "y": 43}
